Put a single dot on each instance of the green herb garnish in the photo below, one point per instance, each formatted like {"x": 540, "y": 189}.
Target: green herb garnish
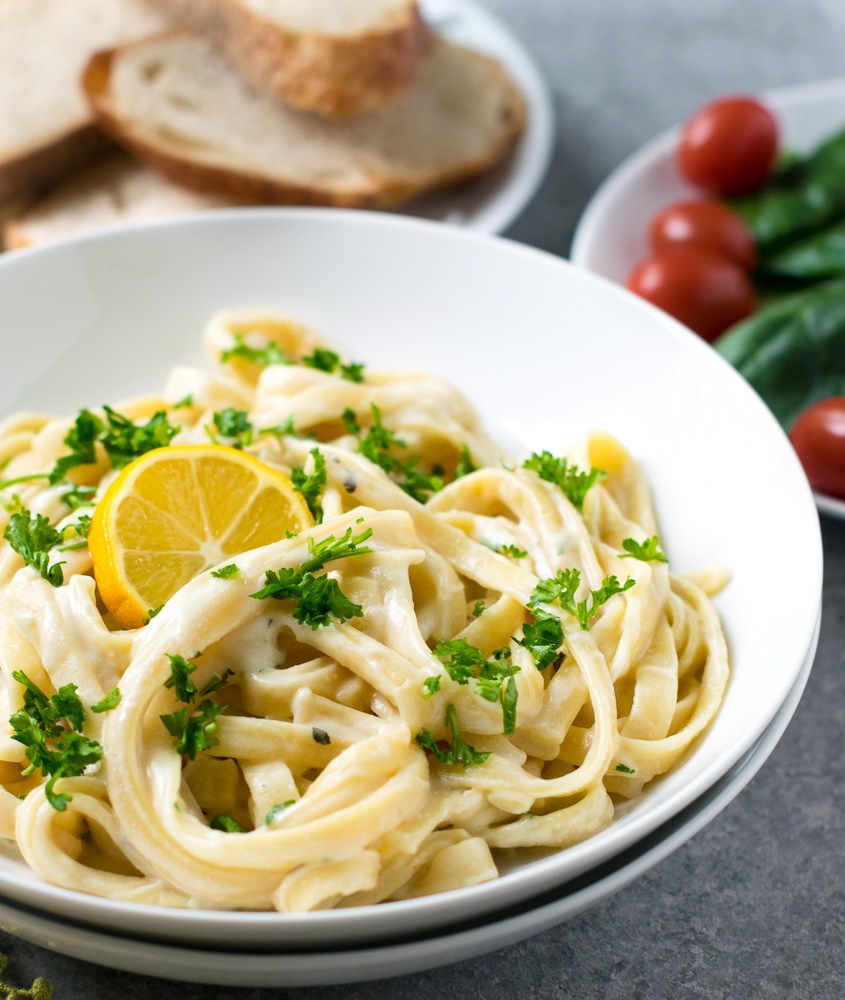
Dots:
{"x": 311, "y": 485}
{"x": 328, "y": 361}
{"x": 51, "y": 731}
{"x": 107, "y": 702}
{"x": 562, "y": 588}
{"x": 226, "y": 824}
{"x": 572, "y": 481}
{"x": 225, "y": 572}
{"x": 647, "y": 551}
{"x": 457, "y": 751}
{"x": 33, "y": 538}
{"x": 271, "y": 354}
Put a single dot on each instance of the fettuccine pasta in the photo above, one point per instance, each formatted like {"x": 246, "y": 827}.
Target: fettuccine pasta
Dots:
{"x": 521, "y": 660}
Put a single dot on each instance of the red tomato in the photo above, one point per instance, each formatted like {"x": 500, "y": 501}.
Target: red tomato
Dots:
{"x": 707, "y": 224}
{"x": 818, "y": 436}
{"x": 705, "y": 291}
{"x": 728, "y": 147}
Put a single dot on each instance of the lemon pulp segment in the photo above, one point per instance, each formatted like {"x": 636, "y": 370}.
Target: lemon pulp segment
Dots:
{"x": 175, "y": 512}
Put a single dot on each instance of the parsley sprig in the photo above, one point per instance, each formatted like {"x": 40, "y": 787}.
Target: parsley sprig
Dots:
{"x": 379, "y": 445}
{"x": 270, "y": 354}
{"x": 51, "y": 730}
{"x": 542, "y": 638}
{"x": 455, "y": 751}
{"x": 194, "y": 726}
{"x": 569, "y": 478}
{"x": 122, "y": 439}
{"x": 33, "y": 537}
{"x": 647, "y": 551}
{"x": 494, "y": 678}
{"x": 328, "y": 361}
{"x": 562, "y": 588}
{"x": 311, "y": 485}
{"x": 232, "y": 424}
{"x": 319, "y": 599}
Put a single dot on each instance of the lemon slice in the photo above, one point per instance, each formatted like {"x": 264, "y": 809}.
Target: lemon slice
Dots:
{"x": 176, "y": 511}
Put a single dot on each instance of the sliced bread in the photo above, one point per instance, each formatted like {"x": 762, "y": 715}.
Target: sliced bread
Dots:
{"x": 115, "y": 190}
{"x": 176, "y": 104}
{"x": 338, "y": 57}
{"x": 46, "y": 127}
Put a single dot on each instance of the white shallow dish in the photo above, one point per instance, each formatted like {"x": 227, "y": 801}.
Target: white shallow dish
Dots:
{"x": 611, "y": 234}
{"x": 420, "y": 953}
{"x": 491, "y": 203}
{"x": 545, "y": 351}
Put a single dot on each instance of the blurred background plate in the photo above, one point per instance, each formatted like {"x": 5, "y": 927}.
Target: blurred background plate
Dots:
{"x": 611, "y": 234}
{"x": 492, "y": 202}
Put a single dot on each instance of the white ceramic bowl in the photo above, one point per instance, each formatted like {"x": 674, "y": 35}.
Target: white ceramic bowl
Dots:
{"x": 545, "y": 350}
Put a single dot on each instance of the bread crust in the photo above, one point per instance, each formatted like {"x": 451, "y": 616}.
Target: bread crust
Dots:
{"x": 248, "y": 187}
{"x": 333, "y": 75}
{"x": 33, "y": 170}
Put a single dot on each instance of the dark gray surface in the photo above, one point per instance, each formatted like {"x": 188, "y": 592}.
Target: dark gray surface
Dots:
{"x": 754, "y": 905}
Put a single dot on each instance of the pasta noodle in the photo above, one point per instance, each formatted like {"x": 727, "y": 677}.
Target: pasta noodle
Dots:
{"x": 523, "y": 660}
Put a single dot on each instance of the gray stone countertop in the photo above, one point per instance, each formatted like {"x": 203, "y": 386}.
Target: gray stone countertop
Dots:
{"x": 754, "y": 905}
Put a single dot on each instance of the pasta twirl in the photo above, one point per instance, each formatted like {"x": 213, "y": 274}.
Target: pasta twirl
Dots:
{"x": 508, "y": 654}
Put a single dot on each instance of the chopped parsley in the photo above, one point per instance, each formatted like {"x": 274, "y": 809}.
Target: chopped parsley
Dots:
{"x": 226, "y": 824}
{"x": 122, "y": 439}
{"x": 431, "y": 685}
{"x": 233, "y": 424}
{"x": 328, "y": 361}
{"x": 311, "y": 485}
{"x": 647, "y": 551}
{"x": 81, "y": 439}
{"x": 180, "y": 677}
{"x": 125, "y": 441}
{"x": 376, "y": 445}
{"x": 569, "y": 478}
{"x": 318, "y": 598}
{"x": 478, "y": 609}
{"x": 194, "y": 726}
{"x": 563, "y": 586}
{"x": 514, "y": 551}
{"x": 225, "y": 572}
{"x": 494, "y": 678}
{"x": 465, "y": 464}
{"x": 331, "y": 548}
{"x": 51, "y": 731}
{"x": 350, "y": 421}
{"x": 542, "y": 638}
{"x": 270, "y": 354}
{"x": 79, "y": 496}
{"x": 107, "y": 702}
{"x": 457, "y": 751}
{"x": 33, "y": 537}
{"x": 274, "y": 811}
{"x": 624, "y": 769}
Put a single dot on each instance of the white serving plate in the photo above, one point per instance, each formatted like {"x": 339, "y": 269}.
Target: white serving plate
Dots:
{"x": 326, "y": 967}
{"x": 545, "y": 350}
{"x": 611, "y": 234}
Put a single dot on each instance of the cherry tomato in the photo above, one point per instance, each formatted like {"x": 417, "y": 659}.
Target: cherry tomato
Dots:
{"x": 728, "y": 147}
{"x": 705, "y": 291}
{"x": 818, "y": 436}
{"x": 707, "y": 224}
